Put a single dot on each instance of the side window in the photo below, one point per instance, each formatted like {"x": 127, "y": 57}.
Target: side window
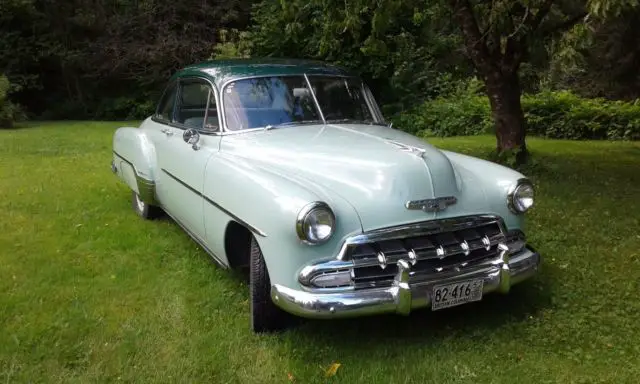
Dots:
{"x": 165, "y": 106}
{"x": 197, "y": 106}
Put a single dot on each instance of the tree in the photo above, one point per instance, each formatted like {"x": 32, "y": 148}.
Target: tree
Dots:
{"x": 598, "y": 58}
{"x": 406, "y": 50}
{"x": 104, "y": 58}
{"x": 498, "y": 35}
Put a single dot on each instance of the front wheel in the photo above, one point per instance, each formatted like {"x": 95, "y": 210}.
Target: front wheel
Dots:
{"x": 144, "y": 210}
{"x": 265, "y": 315}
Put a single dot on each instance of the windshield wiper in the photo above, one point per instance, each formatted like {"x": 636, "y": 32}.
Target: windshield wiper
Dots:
{"x": 354, "y": 121}
{"x": 272, "y": 126}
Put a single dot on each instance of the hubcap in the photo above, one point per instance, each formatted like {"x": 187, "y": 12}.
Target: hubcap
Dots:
{"x": 139, "y": 203}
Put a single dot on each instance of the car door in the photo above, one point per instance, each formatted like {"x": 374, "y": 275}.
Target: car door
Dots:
{"x": 185, "y": 144}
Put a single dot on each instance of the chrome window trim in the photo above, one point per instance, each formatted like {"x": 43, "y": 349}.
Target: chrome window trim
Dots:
{"x": 200, "y": 130}
{"x": 155, "y": 117}
{"x": 362, "y": 89}
{"x": 373, "y": 103}
{"x": 225, "y": 129}
{"x": 224, "y": 85}
{"x": 315, "y": 99}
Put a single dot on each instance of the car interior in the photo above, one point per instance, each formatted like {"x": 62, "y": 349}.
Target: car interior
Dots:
{"x": 192, "y": 108}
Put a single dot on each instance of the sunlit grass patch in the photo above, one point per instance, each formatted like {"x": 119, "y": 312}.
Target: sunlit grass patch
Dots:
{"x": 89, "y": 292}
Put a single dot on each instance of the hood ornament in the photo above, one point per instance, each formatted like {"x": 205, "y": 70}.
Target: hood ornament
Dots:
{"x": 431, "y": 205}
{"x": 408, "y": 148}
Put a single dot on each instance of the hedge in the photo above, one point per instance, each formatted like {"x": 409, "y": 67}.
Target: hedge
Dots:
{"x": 9, "y": 112}
{"x": 558, "y": 115}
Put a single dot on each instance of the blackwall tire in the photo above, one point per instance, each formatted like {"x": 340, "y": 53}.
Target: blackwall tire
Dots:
{"x": 265, "y": 315}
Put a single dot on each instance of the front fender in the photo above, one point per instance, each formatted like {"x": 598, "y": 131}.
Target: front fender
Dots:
{"x": 270, "y": 203}
{"x": 491, "y": 179}
{"x": 134, "y": 160}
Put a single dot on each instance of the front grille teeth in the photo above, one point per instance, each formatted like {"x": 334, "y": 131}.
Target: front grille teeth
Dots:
{"x": 375, "y": 263}
{"x": 465, "y": 247}
{"x": 486, "y": 242}
{"x": 412, "y": 257}
{"x": 382, "y": 259}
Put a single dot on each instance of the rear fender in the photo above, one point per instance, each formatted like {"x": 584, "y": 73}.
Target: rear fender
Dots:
{"x": 134, "y": 161}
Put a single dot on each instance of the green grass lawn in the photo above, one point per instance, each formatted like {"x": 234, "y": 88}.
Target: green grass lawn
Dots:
{"x": 91, "y": 293}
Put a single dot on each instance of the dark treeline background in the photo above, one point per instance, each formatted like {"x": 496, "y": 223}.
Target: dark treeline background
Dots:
{"x": 108, "y": 59}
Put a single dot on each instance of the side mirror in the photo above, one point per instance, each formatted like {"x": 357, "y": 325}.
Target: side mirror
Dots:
{"x": 191, "y": 136}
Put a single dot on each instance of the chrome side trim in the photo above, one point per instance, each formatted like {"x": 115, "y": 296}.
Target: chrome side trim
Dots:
{"x": 402, "y": 297}
{"x": 208, "y": 200}
{"x": 146, "y": 187}
{"x": 146, "y": 190}
{"x": 420, "y": 229}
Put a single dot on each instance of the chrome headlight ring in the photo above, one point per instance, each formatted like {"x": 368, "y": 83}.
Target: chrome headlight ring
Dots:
{"x": 520, "y": 197}
{"x": 315, "y": 223}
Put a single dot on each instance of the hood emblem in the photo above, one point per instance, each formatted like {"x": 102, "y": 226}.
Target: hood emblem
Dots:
{"x": 432, "y": 205}
{"x": 408, "y": 148}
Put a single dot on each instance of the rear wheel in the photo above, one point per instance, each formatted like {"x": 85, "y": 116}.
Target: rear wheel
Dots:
{"x": 265, "y": 315}
{"x": 144, "y": 210}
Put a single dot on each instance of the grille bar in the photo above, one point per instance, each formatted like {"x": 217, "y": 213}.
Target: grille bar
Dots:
{"x": 375, "y": 262}
{"x": 435, "y": 249}
{"x": 368, "y": 260}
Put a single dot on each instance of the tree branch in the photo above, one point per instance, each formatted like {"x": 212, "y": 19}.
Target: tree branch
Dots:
{"x": 476, "y": 47}
{"x": 565, "y": 25}
{"x": 516, "y": 48}
{"x": 535, "y": 21}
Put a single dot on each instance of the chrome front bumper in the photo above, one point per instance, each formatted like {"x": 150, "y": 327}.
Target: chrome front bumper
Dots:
{"x": 498, "y": 275}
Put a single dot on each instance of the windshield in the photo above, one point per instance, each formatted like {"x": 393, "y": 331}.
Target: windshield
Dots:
{"x": 272, "y": 101}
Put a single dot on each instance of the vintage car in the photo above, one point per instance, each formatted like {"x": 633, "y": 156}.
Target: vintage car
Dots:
{"x": 288, "y": 169}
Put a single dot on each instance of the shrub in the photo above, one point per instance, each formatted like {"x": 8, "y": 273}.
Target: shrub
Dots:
{"x": 558, "y": 115}
{"x": 9, "y": 112}
{"x": 564, "y": 115}
{"x": 125, "y": 108}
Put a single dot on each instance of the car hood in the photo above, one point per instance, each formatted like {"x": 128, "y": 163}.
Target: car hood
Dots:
{"x": 375, "y": 168}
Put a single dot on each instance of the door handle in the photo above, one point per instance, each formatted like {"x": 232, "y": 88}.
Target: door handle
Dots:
{"x": 167, "y": 131}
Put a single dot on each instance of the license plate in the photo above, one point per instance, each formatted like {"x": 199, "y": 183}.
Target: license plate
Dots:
{"x": 450, "y": 295}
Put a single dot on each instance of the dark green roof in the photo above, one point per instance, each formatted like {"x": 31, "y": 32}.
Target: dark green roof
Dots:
{"x": 221, "y": 71}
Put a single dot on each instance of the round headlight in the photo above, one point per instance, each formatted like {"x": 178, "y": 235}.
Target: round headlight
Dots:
{"x": 521, "y": 196}
{"x": 315, "y": 223}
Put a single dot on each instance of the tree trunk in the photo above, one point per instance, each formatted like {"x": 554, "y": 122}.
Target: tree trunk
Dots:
{"x": 508, "y": 117}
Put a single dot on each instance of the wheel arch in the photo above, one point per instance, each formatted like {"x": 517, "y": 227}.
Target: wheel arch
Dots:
{"x": 237, "y": 244}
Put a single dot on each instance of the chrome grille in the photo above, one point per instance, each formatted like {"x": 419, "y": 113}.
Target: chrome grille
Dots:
{"x": 451, "y": 250}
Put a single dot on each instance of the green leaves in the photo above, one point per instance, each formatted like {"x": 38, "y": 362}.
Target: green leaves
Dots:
{"x": 9, "y": 112}
{"x": 398, "y": 47}
{"x": 607, "y": 8}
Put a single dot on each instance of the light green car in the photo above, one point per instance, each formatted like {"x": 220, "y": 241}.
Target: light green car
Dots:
{"x": 287, "y": 168}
